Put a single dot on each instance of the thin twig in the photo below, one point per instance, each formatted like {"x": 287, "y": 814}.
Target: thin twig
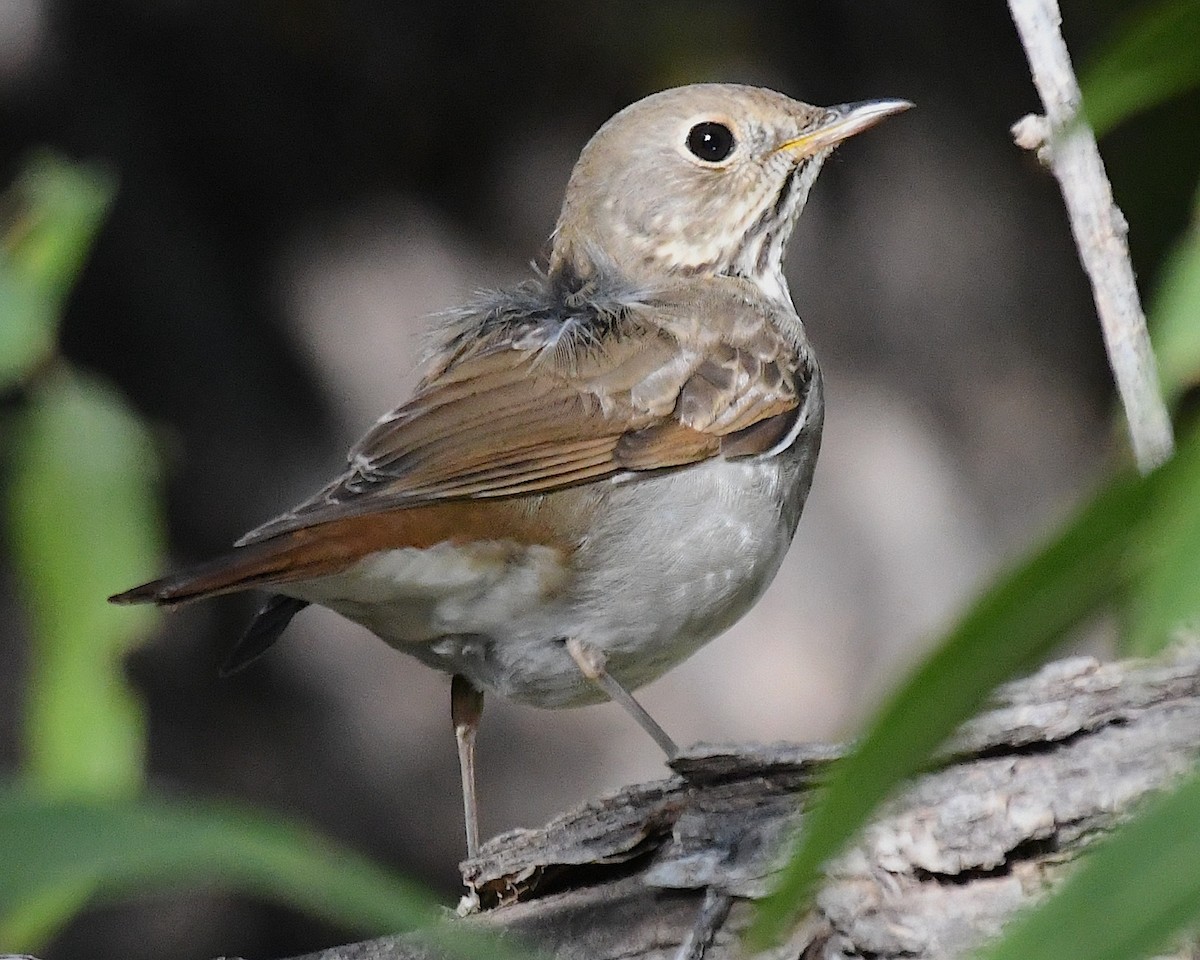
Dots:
{"x": 1066, "y": 144}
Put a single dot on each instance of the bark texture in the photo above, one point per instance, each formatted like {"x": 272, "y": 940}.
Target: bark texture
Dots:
{"x": 671, "y": 868}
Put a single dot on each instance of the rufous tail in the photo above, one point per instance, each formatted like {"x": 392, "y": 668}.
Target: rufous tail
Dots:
{"x": 299, "y": 555}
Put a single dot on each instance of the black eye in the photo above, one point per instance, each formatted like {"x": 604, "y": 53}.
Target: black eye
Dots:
{"x": 710, "y": 141}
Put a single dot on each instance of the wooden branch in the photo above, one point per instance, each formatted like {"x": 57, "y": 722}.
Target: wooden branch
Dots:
{"x": 671, "y": 868}
{"x": 1064, "y": 142}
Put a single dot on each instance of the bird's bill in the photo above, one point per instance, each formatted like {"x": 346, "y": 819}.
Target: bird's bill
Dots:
{"x": 842, "y": 121}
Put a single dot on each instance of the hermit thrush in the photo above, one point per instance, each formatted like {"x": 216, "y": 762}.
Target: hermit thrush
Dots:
{"x": 603, "y": 467}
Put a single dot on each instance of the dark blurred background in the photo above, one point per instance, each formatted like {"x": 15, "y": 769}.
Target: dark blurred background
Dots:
{"x": 302, "y": 180}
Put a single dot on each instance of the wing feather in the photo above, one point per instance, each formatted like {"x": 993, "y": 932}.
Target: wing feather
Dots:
{"x": 535, "y": 406}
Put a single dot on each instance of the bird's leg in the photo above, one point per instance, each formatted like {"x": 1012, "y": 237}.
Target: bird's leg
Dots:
{"x": 466, "y": 707}
{"x": 591, "y": 665}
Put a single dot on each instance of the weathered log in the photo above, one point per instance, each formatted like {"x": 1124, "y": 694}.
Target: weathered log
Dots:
{"x": 671, "y": 868}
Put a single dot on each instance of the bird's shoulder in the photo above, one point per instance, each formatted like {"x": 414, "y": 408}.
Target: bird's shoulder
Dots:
{"x": 583, "y": 323}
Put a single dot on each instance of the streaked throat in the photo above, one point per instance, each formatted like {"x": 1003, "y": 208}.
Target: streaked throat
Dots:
{"x": 759, "y": 257}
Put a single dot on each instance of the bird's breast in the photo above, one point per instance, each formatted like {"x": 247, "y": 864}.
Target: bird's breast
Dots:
{"x": 664, "y": 563}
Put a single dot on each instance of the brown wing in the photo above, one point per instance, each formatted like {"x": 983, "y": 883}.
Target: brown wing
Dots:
{"x": 523, "y": 410}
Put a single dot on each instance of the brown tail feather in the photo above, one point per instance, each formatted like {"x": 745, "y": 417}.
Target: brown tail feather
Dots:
{"x": 300, "y": 555}
{"x": 225, "y": 574}
{"x": 330, "y": 547}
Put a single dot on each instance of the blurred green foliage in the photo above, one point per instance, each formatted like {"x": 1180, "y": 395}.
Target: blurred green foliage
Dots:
{"x": 109, "y": 848}
{"x": 49, "y": 216}
{"x": 1151, "y": 59}
{"x": 1176, "y": 326}
{"x": 81, "y": 497}
{"x": 81, "y": 513}
{"x": 1134, "y": 549}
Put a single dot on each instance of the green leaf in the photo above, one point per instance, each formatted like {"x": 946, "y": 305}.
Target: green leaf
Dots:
{"x": 59, "y": 207}
{"x": 56, "y": 208}
{"x": 1007, "y": 631}
{"x": 1164, "y": 596}
{"x": 83, "y": 521}
{"x": 1152, "y": 59}
{"x": 59, "y": 853}
{"x": 1131, "y": 894}
{"x": 27, "y": 328}
{"x": 1175, "y": 314}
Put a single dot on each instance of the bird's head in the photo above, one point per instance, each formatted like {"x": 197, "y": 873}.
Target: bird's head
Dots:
{"x": 698, "y": 180}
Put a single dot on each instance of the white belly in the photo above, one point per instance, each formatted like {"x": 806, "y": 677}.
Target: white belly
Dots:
{"x": 672, "y": 561}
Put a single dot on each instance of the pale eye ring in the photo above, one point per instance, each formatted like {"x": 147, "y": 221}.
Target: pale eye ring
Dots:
{"x": 711, "y": 141}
